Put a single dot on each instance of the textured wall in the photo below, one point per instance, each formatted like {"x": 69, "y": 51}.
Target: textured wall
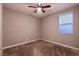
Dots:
{"x": 19, "y": 27}
{"x": 50, "y": 30}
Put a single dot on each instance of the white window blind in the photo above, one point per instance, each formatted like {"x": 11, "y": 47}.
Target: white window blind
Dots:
{"x": 66, "y": 23}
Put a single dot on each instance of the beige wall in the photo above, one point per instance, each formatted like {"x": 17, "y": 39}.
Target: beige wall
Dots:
{"x": 50, "y": 28}
{"x": 0, "y": 29}
{"x": 19, "y": 27}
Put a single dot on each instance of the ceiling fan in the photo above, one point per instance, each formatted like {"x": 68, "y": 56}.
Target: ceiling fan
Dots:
{"x": 40, "y": 7}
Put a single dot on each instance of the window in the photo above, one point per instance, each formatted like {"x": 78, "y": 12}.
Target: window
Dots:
{"x": 65, "y": 23}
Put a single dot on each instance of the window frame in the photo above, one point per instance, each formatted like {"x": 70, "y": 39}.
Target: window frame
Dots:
{"x": 64, "y": 24}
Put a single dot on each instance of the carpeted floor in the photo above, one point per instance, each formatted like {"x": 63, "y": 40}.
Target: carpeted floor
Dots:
{"x": 40, "y": 48}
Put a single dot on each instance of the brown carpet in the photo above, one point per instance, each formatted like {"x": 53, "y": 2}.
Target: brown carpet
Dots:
{"x": 40, "y": 48}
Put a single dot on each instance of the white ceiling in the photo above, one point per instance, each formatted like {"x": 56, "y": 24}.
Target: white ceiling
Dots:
{"x": 23, "y": 7}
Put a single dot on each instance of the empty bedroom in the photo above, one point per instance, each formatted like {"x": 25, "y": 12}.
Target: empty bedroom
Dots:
{"x": 39, "y": 29}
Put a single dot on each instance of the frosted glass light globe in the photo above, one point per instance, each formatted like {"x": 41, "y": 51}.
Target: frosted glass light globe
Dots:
{"x": 39, "y": 9}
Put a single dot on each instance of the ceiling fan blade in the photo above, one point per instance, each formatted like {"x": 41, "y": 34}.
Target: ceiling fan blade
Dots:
{"x": 35, "y": 11}
{"x": 43, "y": 11}
{"x": 32, "y": 6}
{"x": 46, "y": 6}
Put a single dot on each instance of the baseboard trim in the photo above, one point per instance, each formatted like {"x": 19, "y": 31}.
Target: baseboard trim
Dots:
{"x": 61, "y": 44}
{"x": 51, "y": 41}
{"x": 20, "y": 43}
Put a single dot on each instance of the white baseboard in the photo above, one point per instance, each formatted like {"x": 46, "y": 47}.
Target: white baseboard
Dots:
{"x": 20, "y": 43}
{"x": 51, "y": 41}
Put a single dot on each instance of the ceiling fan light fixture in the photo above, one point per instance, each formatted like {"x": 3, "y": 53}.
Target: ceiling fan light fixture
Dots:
{"x": 39, "y": 9}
